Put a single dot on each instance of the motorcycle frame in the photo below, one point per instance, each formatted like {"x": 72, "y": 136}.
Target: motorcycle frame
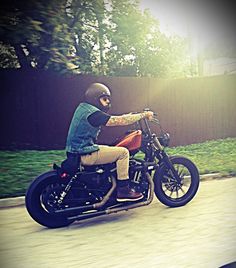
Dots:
{"x": 146, "y": 167}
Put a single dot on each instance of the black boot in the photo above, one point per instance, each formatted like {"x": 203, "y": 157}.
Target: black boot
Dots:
{"x": 125, "y": 193}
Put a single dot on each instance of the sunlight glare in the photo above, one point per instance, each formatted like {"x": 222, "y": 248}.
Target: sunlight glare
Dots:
{"x": 201, "y": 22}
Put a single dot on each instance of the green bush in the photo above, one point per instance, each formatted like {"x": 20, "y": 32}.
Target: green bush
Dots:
{"x": 19, "y": 168}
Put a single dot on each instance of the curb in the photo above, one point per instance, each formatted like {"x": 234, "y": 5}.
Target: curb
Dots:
{"x": 210, "y": 176}
{"x": 20, "y": 201}
{"x": 12, "y": 202}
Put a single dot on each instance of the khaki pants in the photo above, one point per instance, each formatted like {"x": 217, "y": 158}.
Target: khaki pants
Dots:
{"x": 109, "y": 154}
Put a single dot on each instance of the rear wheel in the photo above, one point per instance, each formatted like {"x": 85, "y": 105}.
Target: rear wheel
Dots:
{"x": 41, "y": 200}
{"x": 171, "y": 192}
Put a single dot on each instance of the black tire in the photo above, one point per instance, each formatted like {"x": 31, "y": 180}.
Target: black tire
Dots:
{"x": 166, "y": 188}
{"x": 37, "y": 207}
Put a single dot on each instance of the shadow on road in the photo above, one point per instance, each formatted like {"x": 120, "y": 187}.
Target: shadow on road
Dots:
{"x": 105, "y": 219}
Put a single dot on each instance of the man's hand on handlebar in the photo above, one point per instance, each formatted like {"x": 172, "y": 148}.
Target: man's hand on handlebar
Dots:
{"x": 148, "y": 114}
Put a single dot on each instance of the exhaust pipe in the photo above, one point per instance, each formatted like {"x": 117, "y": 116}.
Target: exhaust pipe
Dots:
{"x": 115, "y": 210}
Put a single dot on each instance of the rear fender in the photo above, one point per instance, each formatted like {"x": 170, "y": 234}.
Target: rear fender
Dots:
{"x": 41, "y": 178}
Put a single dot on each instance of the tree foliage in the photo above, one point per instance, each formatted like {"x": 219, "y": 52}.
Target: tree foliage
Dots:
{"x": 97, "y": 37}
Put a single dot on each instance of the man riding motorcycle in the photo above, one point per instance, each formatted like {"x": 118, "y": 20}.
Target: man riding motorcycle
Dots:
{"x": 83, "y": 132}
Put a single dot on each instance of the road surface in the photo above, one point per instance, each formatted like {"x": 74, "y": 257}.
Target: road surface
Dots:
{"x": 201, "y": 234}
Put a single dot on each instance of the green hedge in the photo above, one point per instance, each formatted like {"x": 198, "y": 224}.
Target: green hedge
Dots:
{"x": 19, "y": 168}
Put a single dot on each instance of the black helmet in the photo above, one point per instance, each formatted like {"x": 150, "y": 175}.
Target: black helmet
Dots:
{"x": 93, "y": 94}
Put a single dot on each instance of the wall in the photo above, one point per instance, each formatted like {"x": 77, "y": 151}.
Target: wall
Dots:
{"x": 36, "y": 107}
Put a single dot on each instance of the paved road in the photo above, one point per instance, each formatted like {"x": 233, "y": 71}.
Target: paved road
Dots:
{"x": 201, "y": 234}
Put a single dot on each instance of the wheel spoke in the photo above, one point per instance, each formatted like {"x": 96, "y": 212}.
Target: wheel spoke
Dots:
{"x": 177, "y": 192}
{"x": 181, "y": 172}
{"x": 182, "y": 190}
{"x": 169, "y": 188}
{"x": 170, "y": 179}
{"x": 171, "y": 192}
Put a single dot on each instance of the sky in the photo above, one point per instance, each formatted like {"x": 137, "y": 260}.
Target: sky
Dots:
{"x": 205, "y": 21}
{"x": 169, "y": 16}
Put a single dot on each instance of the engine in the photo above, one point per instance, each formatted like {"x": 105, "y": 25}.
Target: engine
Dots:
{"x": 137, "y": 181}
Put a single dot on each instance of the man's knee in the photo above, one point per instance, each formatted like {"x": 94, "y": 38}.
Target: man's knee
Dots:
{"x": 124, "y": 152}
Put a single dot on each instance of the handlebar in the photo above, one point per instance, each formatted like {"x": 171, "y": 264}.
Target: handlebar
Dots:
{"x": 156, "y": 120}
{"x": 148, "y": 131}
{"x": 146, "y": 122}
{"x": 148, "y": 110}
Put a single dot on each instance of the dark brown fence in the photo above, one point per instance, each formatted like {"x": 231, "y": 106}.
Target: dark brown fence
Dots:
{"x": 36, "y": 107}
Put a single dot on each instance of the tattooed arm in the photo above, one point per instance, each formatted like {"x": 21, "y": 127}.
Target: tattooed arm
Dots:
{"x": 128, "y": 119}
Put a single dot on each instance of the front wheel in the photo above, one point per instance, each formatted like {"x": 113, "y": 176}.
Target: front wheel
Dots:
{"x": 171, "y": 192}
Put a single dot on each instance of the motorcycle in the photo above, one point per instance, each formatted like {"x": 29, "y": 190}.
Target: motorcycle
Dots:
{"x": 58, "y": 198}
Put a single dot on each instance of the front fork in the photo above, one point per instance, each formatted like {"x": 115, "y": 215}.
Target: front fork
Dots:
{"x": 164, "y": 158}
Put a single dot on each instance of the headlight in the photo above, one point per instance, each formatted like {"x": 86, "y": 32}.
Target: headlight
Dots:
{"x": 164, "y": 139}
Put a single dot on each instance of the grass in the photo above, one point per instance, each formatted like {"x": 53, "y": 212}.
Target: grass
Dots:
{"x": 19, "y": 168}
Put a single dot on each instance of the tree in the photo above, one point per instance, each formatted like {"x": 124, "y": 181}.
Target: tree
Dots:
{"x": 37, "y": 31}
{"x": 95, "y": 37}
{"x": 138, "y": 48}
{"x": 8, "y": 57}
